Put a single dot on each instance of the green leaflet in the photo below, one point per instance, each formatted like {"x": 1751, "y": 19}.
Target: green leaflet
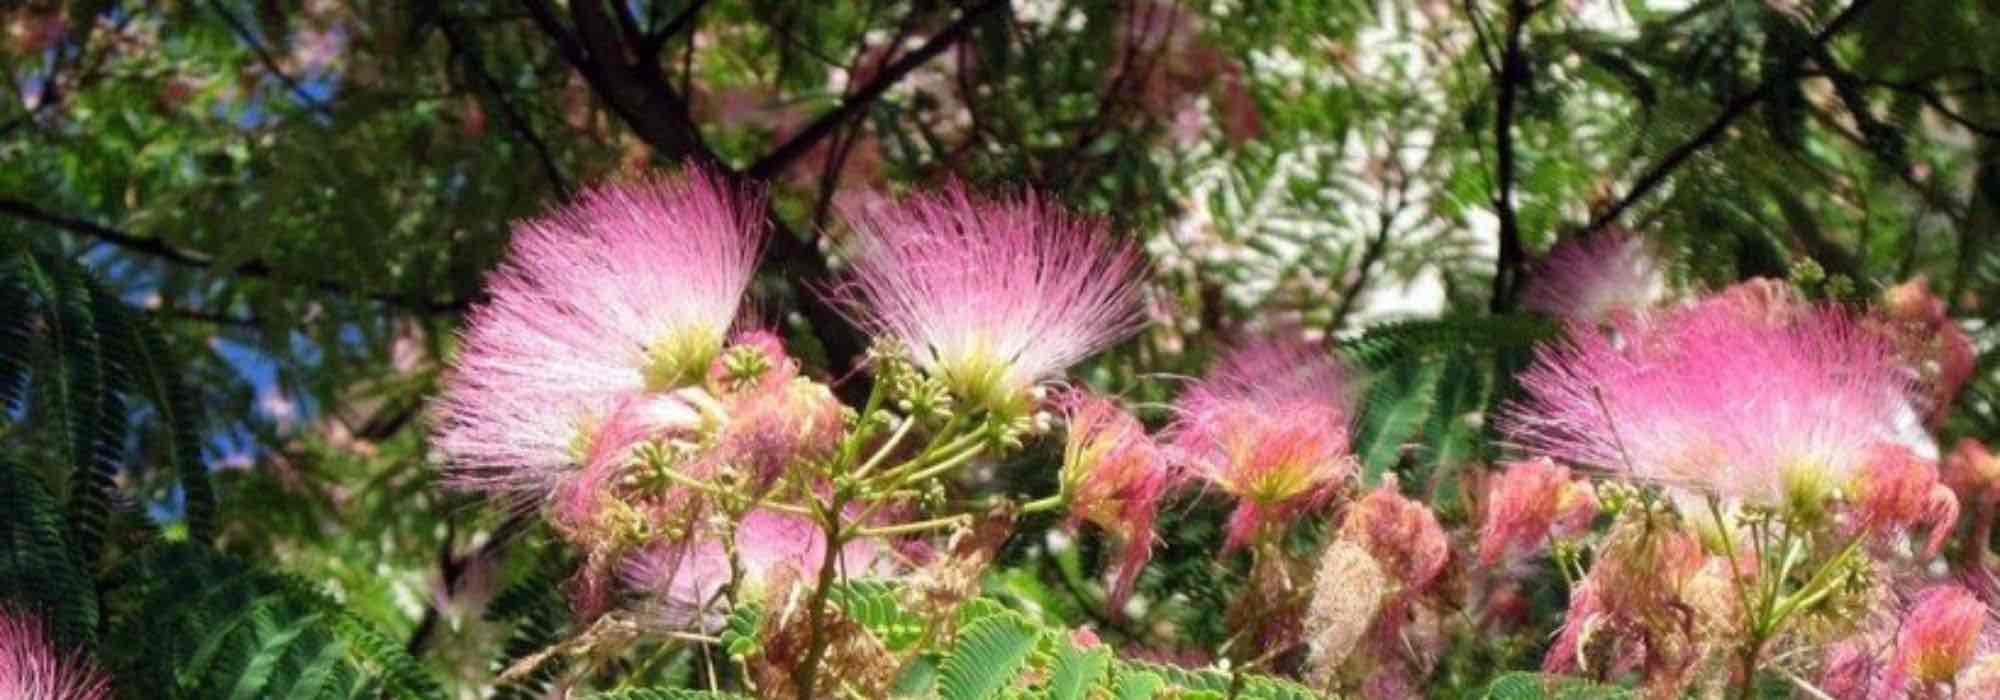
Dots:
{"x": 38, "y": 569}
{"x": 987, "y": 657}
{"x": 189, "y": 623}
{"x": 1524, "y": 685}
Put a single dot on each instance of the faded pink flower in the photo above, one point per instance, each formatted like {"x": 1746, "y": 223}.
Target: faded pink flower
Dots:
{"x": 1529, "y": 503}
{"x": 631, "y": 289}
{"x": 686, "y": 579}
{"x": 1369, "y": 615}
{"x": 1403, "y": 536}
{"x": 1973, "y": 472}
{"x": 990, "y": 296}
{"x": 1768, "y": 402}
{"x": 775, "y": 427}
{"x": 1634, "y": 611}
{"x": 1113, "y": 475}
{"x": 1899, "y": 490}
{"x": 1269, "y": 426}
{"x": 1938, "y": 636}
{"x": 1592, "y": 278}
{"x": 32, "y": 669}
{"x": 578, "y": 501}
{"x": 1936, "y": 349}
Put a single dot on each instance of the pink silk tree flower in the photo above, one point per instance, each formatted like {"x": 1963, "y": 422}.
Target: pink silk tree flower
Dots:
{"x": 1763, "y": 401}
{"x": 1589, "y": 279}
{"x": 1939, "y": 634}
{"x": 32, "y": 669}
{"x": 990, "y": 296}
{"x": 1529, "y": 503}
{"x": 1268, "y": 425}
{"x": 685, "y": 580}
{"x": 632, "y": 288}
{"x": 1114, "y": 476}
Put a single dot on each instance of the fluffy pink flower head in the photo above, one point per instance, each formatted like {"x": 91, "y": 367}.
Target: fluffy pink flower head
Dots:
{"x": 1939, "y": 634}
{"x": 1114, "y": 476}
{"x": 31, "y": 669}
{"x": 1899, "y": 490}
{"x": 1529, "y": 503}
{"x": 684, "y": 580}
{"x": 990, "y": 296}
{"x": 631, "y": 289}
{"x": 1269, "y": 426}
{"x": 1592, "y": 278}
{"x": 1765, "y": 402}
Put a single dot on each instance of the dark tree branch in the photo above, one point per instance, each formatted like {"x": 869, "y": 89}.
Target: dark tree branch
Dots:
{"x": 650, "y": 48}
{"x": 159, "y": 249}
{"x": 462, "y": 45}
{"x": 270, "y": 62}
{"x": 1513, "y": 78}
{"x": 1656, "y": 175}
{"x": 795, "y": 147}
{"x": 638, "y": 93}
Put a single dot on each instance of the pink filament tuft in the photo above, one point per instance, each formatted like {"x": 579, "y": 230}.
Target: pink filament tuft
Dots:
{"x": 1019, "y": 286}
{"x": 581, "y": 299}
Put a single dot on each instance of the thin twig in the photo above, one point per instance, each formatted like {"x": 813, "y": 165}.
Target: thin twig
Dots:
{"x": 792, "y": 149}
{"x": 461, "y": 45}
{"x": 270, "y": 62}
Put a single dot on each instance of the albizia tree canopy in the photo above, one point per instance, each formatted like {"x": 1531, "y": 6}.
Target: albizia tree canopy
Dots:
{"x": 969, "y": 349}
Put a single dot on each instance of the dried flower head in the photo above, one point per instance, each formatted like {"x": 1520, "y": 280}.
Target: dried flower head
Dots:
{"x": 1113, "y": 475}
{"x": 1349, "y": 590}
{"x": 990, "y": 296}
{"x": 1593, "y": 278}
{"x": 631, "y": 289}
{"x": 32, "y": 669}
{"x": 1529, "y": 503}
{"x": 1269, "y": 426}
{"x": 1743, "y": 395}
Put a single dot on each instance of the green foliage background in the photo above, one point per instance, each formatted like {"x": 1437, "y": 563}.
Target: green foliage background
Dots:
{"x": 240, "y": 235}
